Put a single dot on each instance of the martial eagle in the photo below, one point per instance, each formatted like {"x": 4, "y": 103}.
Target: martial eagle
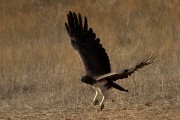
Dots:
{"x": 95, "y": 59}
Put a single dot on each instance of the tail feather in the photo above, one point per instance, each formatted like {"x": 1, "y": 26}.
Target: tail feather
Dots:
{"x": 118, "y": 87}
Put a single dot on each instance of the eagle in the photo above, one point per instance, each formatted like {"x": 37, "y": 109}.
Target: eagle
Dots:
{"x": 95, "y": 59}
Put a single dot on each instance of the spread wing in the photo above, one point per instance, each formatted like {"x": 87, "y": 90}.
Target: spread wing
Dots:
{"x": 84, "y": 41}
{"x": 127, "y": 72}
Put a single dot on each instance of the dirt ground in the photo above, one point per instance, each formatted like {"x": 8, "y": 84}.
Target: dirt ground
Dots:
{"x": 169, "y": 110}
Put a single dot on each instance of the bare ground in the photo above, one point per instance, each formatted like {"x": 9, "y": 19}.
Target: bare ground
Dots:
{"x": 169, "y": 110}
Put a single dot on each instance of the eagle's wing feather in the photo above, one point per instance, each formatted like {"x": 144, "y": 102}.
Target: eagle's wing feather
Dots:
{"x": 84, "y": 41}
{"x": 127, "y": 72}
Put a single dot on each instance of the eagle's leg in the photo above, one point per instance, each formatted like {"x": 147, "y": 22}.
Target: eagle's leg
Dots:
{"x": 95, "y": 101}
{"x": 103, "y": 98}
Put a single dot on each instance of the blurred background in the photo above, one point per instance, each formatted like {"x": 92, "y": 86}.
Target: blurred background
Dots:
{"x": 39, "y": 68}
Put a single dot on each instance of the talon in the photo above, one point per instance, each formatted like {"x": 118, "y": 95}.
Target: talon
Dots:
{"x": 96, "y": 102}
{"x": 102, "y": 106}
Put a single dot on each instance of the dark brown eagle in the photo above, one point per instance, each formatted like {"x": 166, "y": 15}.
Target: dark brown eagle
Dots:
{"x": 95, "y": 59}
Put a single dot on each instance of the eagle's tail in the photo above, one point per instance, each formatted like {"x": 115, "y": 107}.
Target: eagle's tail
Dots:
{"x": 118, "y": 87}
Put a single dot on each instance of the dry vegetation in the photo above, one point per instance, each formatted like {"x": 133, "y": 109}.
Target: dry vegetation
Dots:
{"x": 40, "y": 73}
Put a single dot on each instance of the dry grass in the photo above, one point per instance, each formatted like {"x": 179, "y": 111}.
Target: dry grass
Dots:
{"x": 39, "y": 69}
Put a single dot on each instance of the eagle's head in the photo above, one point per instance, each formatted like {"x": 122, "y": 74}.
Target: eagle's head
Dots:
{"x": 88, "y": 80}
